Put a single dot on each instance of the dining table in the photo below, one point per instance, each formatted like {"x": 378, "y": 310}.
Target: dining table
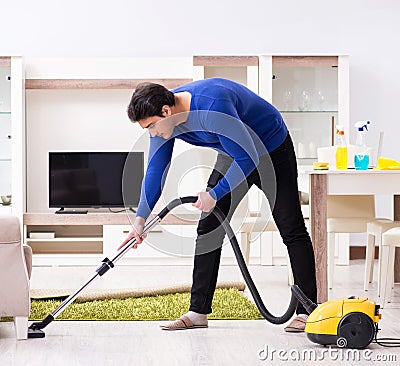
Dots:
{"x": 321, "y": 183}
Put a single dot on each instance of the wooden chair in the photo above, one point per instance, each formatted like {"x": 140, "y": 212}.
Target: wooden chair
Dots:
{"x": 347, "y": 214}
{"x": 375, "y": 230}
{"x": 256, "y": 225}
{"x": 390, "y": 241}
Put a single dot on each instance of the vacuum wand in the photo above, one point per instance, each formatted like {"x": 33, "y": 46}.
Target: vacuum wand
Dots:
{"x": 34, "y": 331}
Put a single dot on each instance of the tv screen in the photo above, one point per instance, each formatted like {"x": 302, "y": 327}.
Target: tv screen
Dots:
{"x": 95, "y": 179}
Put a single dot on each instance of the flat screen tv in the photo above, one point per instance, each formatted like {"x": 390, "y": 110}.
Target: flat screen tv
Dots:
{"x": 95, "y": 179}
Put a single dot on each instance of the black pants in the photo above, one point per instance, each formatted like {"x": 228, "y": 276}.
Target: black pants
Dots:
{"x": 276, "y": 176}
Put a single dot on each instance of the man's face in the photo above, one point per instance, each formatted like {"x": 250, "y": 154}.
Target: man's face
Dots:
{"x": 159, "y": 126}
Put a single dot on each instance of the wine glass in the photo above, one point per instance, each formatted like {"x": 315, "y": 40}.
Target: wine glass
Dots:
{"x": 304, "y": 100}
{"x": 321, "y": 100}
{"x": 287, "y": 99}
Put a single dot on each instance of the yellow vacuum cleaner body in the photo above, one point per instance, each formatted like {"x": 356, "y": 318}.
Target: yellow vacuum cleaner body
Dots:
{"x": 347, "y": 322}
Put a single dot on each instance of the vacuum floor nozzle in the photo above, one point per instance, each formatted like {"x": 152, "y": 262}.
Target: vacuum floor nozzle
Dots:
{"x": 35, "y": 333}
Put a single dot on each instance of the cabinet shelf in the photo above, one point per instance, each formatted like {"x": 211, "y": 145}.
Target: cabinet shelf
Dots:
{"x": 66, "y": 239}
{"x": 225, "y": 61}
{"x": 305, "y": 61}
{"x": 99, "y": 83}
{"x": 6, "y": 159}
{"x": 6, "y": 113}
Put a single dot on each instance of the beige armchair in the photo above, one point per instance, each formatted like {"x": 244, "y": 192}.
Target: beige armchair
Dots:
{"x": 15, "y": 271}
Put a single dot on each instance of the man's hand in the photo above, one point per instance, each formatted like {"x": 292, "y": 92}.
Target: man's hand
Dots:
{"x": 136, "y": 232}
{"x": 204, "y": 202}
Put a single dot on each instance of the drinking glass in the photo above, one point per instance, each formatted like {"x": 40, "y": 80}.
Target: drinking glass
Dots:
{"x": 287, "y": 99}
{"x": 304, "y": 100}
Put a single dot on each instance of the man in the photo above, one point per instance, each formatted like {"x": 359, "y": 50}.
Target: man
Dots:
{"x": 254, "y": 148}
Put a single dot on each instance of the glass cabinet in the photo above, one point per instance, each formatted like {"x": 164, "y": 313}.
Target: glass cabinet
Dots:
{"x": 311, "y": 92}
{"x": 5, "y": 135}
{"x": 12, "y": 143}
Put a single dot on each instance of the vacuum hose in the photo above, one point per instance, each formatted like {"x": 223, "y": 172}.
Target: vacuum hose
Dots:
{"x": 34, "y": 331}
{"x": 242, "y": 264}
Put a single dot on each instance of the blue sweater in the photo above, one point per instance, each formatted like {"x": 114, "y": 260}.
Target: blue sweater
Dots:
{"x": 227, "y": 117}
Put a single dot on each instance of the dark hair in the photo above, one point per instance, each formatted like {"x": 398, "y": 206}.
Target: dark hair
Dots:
{"x": 147, "y": 101}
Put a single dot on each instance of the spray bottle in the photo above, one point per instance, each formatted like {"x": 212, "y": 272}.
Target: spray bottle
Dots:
{"x": 361, "y": 158}
{"x": 341, "y": 150}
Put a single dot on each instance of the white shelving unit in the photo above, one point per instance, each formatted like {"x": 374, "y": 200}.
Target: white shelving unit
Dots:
{"x": 312, "y": 94}
{"x": 76, "y": 87}
{"x": 242, "y": 69}
{"x": 86, "y": 239}
{"x": 5, "y": 132}
{"x": 12, "y": 134}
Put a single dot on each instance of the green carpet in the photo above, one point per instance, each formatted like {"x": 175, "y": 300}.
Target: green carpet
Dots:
{"x": 227, "y": 304}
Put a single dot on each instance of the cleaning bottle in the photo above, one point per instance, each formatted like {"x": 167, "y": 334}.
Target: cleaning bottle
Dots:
{"x": 361, "y": 158}
{"x": 341, "y": 150}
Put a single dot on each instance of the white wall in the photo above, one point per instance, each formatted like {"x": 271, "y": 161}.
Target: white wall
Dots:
{"x": 365, "y": 29}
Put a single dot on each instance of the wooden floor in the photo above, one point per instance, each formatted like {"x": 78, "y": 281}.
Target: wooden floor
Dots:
{"x": 223, "y": 343}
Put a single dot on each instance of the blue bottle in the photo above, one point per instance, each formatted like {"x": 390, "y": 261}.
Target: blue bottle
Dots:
{"x": 361, "y": 158}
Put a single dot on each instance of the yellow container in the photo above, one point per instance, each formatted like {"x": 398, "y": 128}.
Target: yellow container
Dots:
{"x": 341, "y": 158}
{"x": 387, "y": 164}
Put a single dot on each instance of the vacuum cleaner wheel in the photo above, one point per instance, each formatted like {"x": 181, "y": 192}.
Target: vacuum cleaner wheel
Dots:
{"x": 356, "y": 330}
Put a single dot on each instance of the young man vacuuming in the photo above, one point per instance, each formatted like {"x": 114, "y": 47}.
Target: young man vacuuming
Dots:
{"x": 254, "y": 147}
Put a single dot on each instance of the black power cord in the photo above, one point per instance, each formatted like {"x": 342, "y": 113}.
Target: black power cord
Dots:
{"x": 385, "y": 342}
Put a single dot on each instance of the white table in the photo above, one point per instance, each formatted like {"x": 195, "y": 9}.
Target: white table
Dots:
{"x": 320, "y": 183}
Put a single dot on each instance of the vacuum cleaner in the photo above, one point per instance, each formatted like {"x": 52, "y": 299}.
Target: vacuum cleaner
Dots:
{"x": 348, "y": 322}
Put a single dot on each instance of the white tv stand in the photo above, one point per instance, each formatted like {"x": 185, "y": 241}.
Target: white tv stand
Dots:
{"x": 86, "y": 239}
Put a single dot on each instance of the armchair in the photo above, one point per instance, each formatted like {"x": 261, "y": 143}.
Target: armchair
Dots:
{"x": 15, "y": 271}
